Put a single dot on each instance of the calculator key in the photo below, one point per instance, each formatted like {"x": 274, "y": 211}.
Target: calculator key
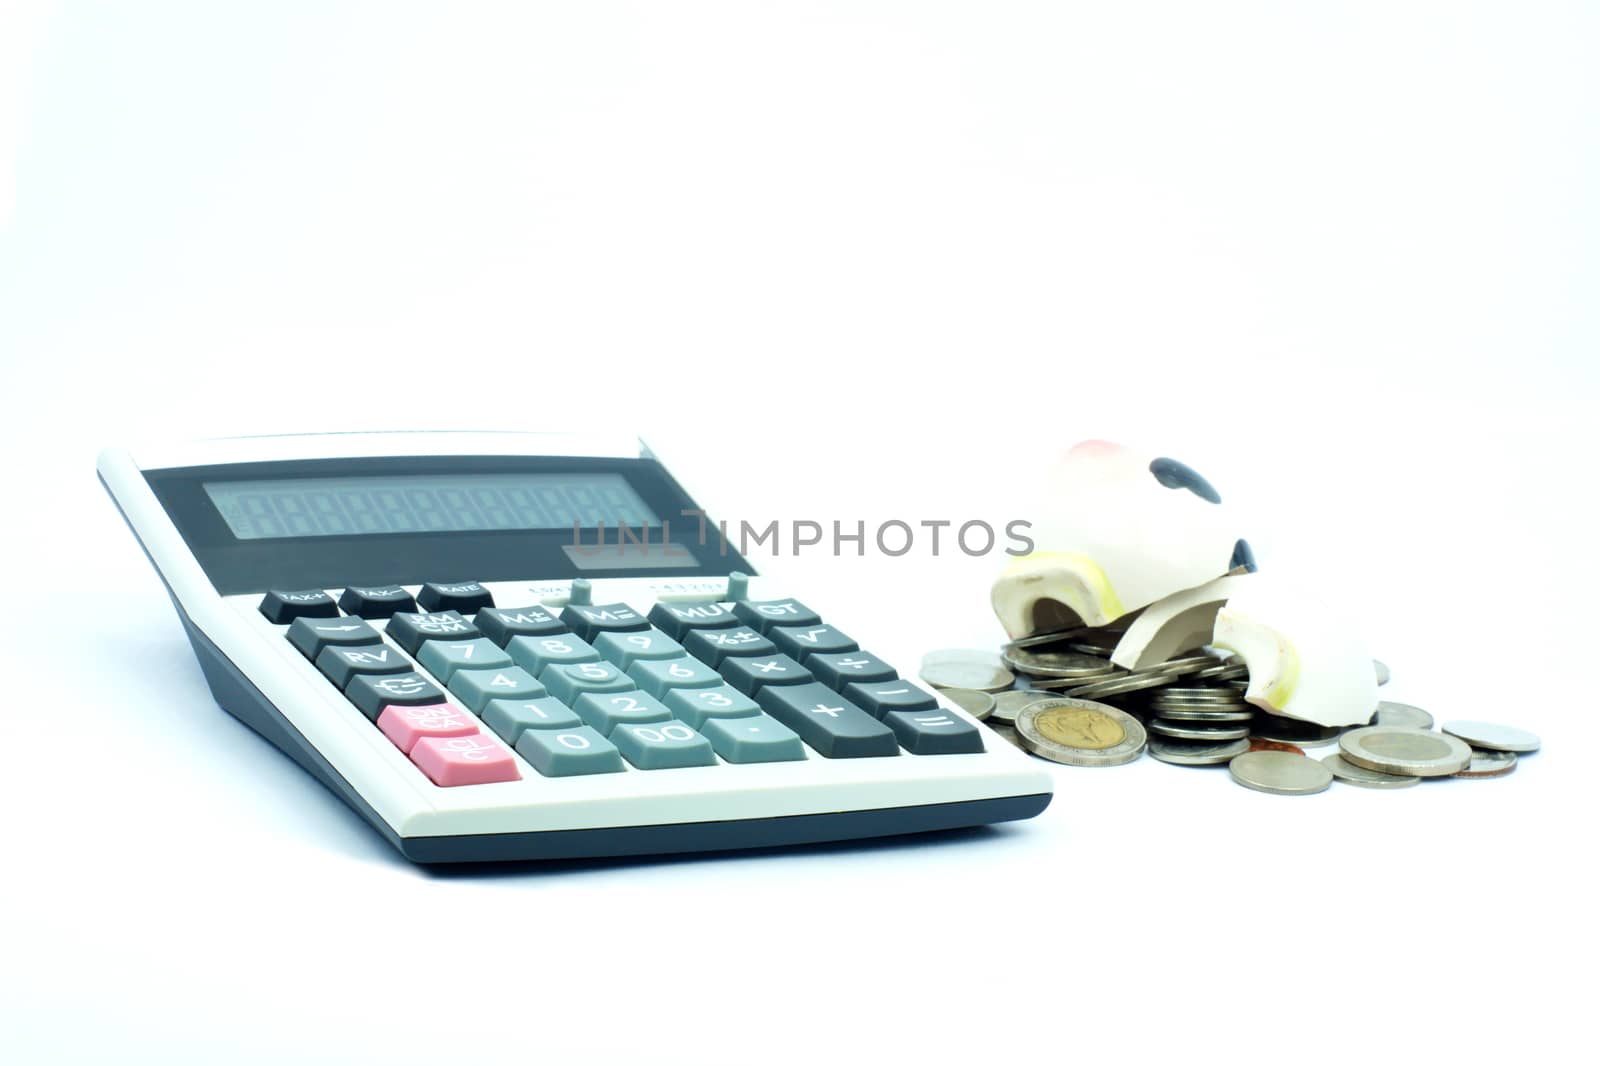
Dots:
{"x": 500, "y": 624}
{"x": 760, "y": 738}
{"x": 407, "y": 725}
{"x": 283, "y": 607}
{"x": 677, "y": 620}
{"x": 797, "y": 642}
{"x": 933, "y": 732}
{"x": 604, "y": 711}
{"x": 474, "y": 760}
{"x": 311, "y": 635}
{"x": 464, "y": 596}
{"x": 828, "y": 722}
{"x": 625, "y": 649}
{"x": 444, "y": 657}
{"x": 508, "y": 718}
{"x": 339, "y": 665}
{"x": 409, "y": 629}
{"x": 373, "y": 692}
{"x": 663, "y": 746}
{"x": 753, "y": 674}
{"x": 699, "y": 705}
{"x": 476, "y": 688}
{"x": 569, "y": 752}
{"x": 568, "y": 681}
{"x": 714, "y": 645}
{"x": 588, "y": 620}
{"x": 878, "y": 698}
{"x": 660, "y": 676}
{"x": 376, "y": 601}
{"x": 534, "y": 654}
{"x": 764, "y": 614}
{"x": 838, "y": 669}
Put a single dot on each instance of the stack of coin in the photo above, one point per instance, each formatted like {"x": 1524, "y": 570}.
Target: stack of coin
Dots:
{"x": 1058, "y": 696}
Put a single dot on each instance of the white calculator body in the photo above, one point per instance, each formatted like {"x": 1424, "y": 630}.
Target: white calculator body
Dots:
{"x": 526, "y": 646}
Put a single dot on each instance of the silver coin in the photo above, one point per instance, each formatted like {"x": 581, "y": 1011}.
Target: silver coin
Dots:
{"x": 1382, "y": 671}
{"x": 1293, "y": 731}
{"x": 978, "y": 676}
{"x": 1110, "y": 673}
{"x": 1195, "y": 714}
{"x": 1349, "y": 772}
{"x": 1078, "y": 732}
{"x": 1009, "y": 704}
{"x": 1193, "y": 753}
{"x": 1491, "y": 736}
{"x": 1196, "y": 692}
{"x": 1282, "y": 773}
{"x": 1187, "y": 665}
{"x": 1119, "y": 686}
{"x": 1167, "y": 727}
{"x": 1040, "y": 640}
{"x": 1005, "y": 732}
{"x": 1402, "y": 714}
{"x": 1396, "y": 750}
{"x": 978, "y": 704}
{"x": 1221, "y": 672}
{"x": 1489, "y": 764}
{"x": 1051, "y": 663}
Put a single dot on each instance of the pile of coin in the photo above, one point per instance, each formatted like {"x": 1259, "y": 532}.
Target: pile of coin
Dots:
{"x": 1058, "y": 696}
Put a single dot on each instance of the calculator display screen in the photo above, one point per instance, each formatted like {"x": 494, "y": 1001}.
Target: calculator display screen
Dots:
{"x": 426, "y": 503}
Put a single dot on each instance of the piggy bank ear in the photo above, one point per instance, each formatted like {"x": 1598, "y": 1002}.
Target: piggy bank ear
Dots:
{"x": 1176, "y": 475}
{"x": 1113, "y": 532}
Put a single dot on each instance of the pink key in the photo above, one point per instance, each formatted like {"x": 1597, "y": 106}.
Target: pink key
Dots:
{"x": 407, "y": 725}
{"x": 475, "y": 760}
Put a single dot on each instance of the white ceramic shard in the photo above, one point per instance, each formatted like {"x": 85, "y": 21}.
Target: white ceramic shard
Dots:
{"x": 1119, "y": 529}
{"x": 1305, "y": 660}
{"x": 1175, "y": 624}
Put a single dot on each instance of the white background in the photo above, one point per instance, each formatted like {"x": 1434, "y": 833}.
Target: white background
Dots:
{"x": 851, "y": 260}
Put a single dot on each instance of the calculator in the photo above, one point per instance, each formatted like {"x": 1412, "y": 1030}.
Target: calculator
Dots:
{"x": 539, "y": 646}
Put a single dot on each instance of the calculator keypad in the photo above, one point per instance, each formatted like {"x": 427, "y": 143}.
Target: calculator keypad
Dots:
{"x": 606, "y": 688}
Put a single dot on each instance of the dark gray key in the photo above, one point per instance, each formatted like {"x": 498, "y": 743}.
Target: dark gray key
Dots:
{"x": 800, "y": 642}
{"x": 764, "y": 614}
{"x": 340, "y": 664}
{"x": 376, "y": 601}
{"x": 373, "y": 692}
{"x": 831, "y": 724}
{"x": 409, "y": 629}
{"x": 311, "y": 635}
{"x": 284, "y": 606}
{"x": 464, "y": 596}
{"x": 714, "y": 645}
{"x": 843, "y": 668}
{"x": 676, "y": 620}
{"x": 933, "y": 732}
{"x": 878, "y": 698}
{"x": 500, "y": 624}
{"x": 750, "y": 675}
{"x": 589, "y": 619}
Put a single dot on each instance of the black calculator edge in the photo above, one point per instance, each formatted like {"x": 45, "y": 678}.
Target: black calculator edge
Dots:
{"x": 237, "y": 695}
